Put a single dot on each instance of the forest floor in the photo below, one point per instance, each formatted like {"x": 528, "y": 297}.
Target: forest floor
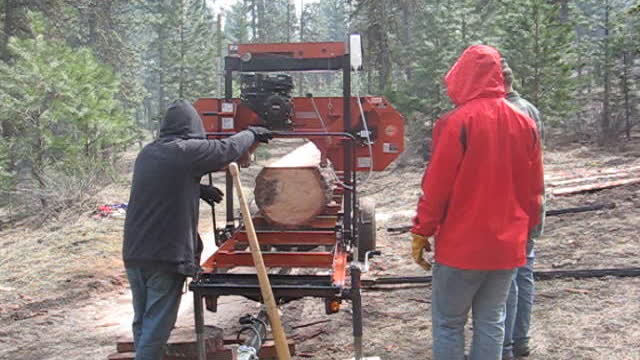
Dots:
{"x": 64, "y": 295}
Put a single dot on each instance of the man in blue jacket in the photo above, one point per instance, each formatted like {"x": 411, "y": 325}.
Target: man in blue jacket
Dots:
{"x": 161, "y": 245}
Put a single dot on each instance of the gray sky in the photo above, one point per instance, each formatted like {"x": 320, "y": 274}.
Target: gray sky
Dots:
{"x": 225, "y": 4}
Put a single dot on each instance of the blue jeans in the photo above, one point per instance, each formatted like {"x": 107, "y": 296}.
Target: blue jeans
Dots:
{"x": 518, "y": 308}
{"x": 455, "y": 292}
{"x": 156, "y": 298}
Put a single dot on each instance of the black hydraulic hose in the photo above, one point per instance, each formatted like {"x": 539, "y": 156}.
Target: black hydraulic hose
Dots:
{"x": 257, "y": 327}
{"x": 556, "y": 212}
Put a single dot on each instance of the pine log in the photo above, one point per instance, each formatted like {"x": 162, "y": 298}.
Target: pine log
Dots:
{"x": 293, "y": 190}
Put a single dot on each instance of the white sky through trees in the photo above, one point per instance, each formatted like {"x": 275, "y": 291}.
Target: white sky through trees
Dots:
{"x": 218, "y": 5}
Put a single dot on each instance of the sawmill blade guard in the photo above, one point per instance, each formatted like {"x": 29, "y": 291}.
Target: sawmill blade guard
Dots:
{"x": 328, "y": 243}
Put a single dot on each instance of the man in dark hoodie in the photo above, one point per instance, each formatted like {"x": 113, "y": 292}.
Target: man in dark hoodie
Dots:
{"x": 161, "y": 245}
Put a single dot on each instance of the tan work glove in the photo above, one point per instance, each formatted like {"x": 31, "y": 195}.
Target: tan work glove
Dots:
{"x": 419, "y": 244}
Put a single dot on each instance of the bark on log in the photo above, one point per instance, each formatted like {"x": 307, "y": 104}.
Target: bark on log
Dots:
{"x": 295, "y": 189}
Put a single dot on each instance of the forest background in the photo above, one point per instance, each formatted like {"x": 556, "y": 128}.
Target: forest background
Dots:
{"x": 81, "y": 81}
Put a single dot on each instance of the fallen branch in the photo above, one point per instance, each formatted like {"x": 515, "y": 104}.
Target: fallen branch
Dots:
{"x": 556, "y": 212}
{"x": 310, "y": 324}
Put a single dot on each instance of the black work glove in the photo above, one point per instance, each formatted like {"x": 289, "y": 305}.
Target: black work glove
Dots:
{"x": 261, "y": 133}
{"x": 210, "y": 194}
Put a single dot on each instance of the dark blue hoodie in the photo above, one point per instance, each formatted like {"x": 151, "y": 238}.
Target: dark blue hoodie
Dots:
{"x": 160, "y": 230}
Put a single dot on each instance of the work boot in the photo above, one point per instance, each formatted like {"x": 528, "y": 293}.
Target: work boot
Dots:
{"x": 508, "y": 355}
{"x": 521, "y": 350}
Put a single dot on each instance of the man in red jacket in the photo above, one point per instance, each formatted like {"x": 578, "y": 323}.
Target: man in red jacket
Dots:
{"x": 481, "y": 197}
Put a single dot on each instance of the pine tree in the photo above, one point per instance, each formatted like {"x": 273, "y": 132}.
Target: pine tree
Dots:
{"x": 181, "y": 58}
{"x": 237, "y": 24}
{"x": 64, "y": 108}
{"x": 372, "y": 17}
{"x": 609, "y": 41}
{"x": 538, "y": 47}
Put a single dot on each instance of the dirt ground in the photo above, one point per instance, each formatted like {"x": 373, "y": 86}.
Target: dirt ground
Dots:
{"x": 63, "y": 293}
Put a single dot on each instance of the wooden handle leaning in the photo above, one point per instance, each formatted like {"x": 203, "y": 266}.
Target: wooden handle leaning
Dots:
{"x": 282, "y": 347}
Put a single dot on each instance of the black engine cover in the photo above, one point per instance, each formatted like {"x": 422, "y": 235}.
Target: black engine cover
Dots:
{"x": 269, "y": 96}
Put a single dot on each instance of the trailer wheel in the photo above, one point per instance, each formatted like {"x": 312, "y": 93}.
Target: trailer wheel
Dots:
{"x": 366, "y": 227}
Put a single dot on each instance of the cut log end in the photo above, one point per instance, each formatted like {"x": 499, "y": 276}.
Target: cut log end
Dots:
{"x": 295, "y": 189}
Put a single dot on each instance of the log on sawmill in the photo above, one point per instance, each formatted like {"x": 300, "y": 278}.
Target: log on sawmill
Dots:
{"x": 294, "y": 189}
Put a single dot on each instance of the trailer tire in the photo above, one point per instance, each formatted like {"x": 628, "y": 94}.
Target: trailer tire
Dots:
{"x": 366, "y": 227}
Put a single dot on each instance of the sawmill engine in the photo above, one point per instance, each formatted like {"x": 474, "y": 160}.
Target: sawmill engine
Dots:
{"x": 269, "y": 96}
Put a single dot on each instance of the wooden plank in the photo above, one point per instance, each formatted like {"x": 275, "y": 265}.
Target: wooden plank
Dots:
{"x": 226, "y": 353}
{"x": 181, "y": 341}
{"x": 592, "y": 187}
{"x": 268, "y": 350}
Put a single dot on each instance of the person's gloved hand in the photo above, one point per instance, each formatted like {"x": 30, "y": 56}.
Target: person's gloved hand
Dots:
{"x": 419, "y": 244}
{"x": 261, "y": 133}
{"x": 210, "y": 194}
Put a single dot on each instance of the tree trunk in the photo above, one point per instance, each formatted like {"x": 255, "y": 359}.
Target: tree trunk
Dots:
{"x": 294, "y": 189}
{"x": 606, "y": 114}
{"x": 92, "y": 22}
{"x": 9, "y": 28}
{"x": 301, "y": 74}
{"x": 262, "y": 22}
{"x": 182, "y": 52}
{"x": 625, "y": 90}
{"x": 220, "y": 55}
{"x": 406, "y": 37}
{"x": 564, "y": 11}
{"x": 162, "y": 38}
{"x": 288, "y": 21}
{"x": 254, "y": 28}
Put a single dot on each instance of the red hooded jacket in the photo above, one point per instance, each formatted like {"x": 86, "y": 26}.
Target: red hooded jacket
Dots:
{"x": 482, "y": 188}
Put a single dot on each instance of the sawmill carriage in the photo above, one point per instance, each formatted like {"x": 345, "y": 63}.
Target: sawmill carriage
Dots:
{"x": 311, "y": 216}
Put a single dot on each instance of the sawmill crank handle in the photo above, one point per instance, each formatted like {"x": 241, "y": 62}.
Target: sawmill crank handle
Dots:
{"x": 367, "y": 256}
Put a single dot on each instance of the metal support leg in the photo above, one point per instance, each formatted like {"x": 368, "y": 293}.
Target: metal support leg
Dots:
{"x": 199, "y": 318}
{"x": 356, "y": 302}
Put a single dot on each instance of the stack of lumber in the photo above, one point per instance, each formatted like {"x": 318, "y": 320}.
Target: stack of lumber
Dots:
{"x": 590, "y": 179}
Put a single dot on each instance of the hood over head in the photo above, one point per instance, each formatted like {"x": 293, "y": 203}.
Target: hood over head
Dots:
{"x": 476, "y": 74}
{"x": 182, "y": 121}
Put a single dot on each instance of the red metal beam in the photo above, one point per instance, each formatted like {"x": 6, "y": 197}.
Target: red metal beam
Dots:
{"x": 288, "y": 260}
{"x": 309, "y": 50}
{"x": 339, "y": 267}
{"x": 328, "y": 221}
{"x": 291, "y": 237}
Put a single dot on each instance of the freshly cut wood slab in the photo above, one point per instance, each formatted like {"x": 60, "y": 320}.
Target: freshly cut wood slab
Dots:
{"x": 222, "y": 354}
{"x": 295, "y": 189}
{"x": 182, "y": 342}
{"x": 268, "y": 352}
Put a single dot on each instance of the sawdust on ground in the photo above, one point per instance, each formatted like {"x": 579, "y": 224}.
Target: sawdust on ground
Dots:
{"x": 63, "y": 292}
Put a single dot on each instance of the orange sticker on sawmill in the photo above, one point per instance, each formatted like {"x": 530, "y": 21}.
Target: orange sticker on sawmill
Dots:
{"x": 390, "y": 130}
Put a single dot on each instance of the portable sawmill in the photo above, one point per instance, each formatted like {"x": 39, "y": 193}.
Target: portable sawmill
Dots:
{"x": 310, "y": 215}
